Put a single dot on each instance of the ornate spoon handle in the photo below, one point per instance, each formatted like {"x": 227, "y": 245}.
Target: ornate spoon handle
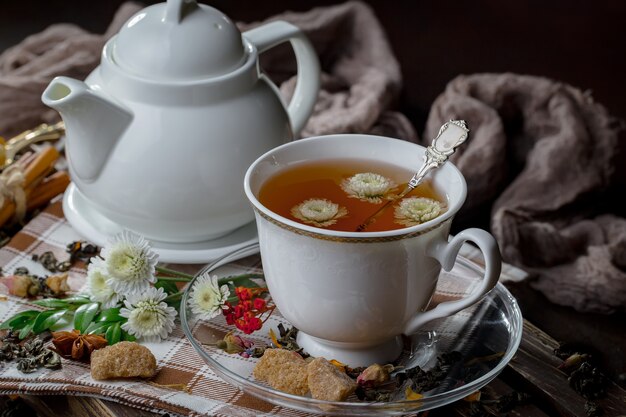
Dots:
{"x": 450, "y": 136}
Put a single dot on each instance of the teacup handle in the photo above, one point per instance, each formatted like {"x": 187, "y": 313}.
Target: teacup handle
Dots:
{"x": 308, "y": 81}
{"x": 446, "y": 252}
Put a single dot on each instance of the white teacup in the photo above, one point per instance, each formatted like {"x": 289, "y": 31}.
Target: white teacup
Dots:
{"x": 352, "y": 294}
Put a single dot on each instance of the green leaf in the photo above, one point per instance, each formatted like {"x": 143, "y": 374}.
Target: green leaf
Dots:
{"x": 51, "y": 303}
{"x": 98, "y": 327}
{"x": 77, "y": 299}
{"x": 111, "y": 314}
{"x": 114, "y": 333}
{"x": 174, "y": 303}
{"x": 19, "y": 318}
{"x": 166, "y": 271}
{"x": 168, "y": 286}
{"x": 63, "y": 322}
{"x": 247, "y": 282}
{"x": 128, "y": 337}
{"x": 84, "y": 315}
{"x": 243, "y": 280}
{"x": 26, "y": 330}
{"x": 45, "y": 319}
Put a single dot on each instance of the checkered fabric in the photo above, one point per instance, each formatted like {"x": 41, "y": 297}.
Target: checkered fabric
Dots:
{"x": 178, "y": 363}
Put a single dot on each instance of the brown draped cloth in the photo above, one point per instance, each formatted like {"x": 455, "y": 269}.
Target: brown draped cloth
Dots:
{"x": 541, "y": 161}
{"x": 360, "y": 81}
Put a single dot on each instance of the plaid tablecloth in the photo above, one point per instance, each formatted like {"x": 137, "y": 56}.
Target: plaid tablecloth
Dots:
{"x": 205, "y": 393}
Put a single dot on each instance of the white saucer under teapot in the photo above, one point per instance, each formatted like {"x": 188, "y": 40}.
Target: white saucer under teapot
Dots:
{"x": 160, "y": 135}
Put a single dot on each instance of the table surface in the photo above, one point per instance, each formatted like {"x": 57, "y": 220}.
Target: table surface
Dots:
{"x": 534, "y": 371}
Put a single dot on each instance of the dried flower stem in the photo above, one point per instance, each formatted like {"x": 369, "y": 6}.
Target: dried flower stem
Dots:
{"x": 175, "y": 279}
{"x": 173, "y": 297}
{"x": 173, "y": 273}
{"x": 236, "y": 278}
{"x": 233, "y": 279}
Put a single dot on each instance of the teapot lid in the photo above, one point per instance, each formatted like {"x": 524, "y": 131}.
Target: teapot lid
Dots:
{"x": 179, "y": 39}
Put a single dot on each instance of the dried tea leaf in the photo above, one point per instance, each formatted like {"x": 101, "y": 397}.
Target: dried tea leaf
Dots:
{"x": 588, "y": 381}
{"x": 30, "y": 355}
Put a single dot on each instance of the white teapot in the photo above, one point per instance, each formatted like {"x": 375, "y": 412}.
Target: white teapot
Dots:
{"x": 160, "y": 135}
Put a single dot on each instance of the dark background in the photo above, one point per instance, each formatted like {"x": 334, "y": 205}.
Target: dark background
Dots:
{"x": 582, "y": 43}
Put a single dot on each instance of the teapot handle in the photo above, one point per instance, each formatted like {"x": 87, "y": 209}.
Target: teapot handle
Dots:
{"x": 308, "y": 81}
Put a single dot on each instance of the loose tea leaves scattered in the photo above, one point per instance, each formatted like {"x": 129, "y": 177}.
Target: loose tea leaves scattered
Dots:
{"x": 584, "y": 377}
{"x": 414, "y": 380}
{"x": 51, "y": 263}
{"x": 592, "y": 409}
{"x": 588, "y": 381}
{"x": 78, "y": 250}
{"x": 23, "y": 284}
{"x": 287, "y": 340}
{"x": 30, "y": 355}
{"x": 508, "y": 402}
{"x": 83, "y": 251}
{"x": 380, "y": 383}
{"x": 488, "y": 405}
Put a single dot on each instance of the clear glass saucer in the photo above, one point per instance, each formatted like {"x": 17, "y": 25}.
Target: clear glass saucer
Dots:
{"x": 486, "y": 334}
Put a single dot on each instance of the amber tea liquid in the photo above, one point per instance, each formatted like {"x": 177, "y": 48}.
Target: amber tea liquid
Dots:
{"x": 322, "y": 180}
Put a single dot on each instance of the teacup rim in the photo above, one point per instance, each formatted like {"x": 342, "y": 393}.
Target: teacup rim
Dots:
{"x": 411, "y": 230}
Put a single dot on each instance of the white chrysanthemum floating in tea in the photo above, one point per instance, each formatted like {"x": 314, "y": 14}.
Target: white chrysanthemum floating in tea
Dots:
{"x": 415, "y": 210}
{"x": 367, "y": 186}
{"x": 130, "y": 263}
{"x": 98, "y": 288}
{"x": 318, "y": 212}
{"x": 207, "y": 298}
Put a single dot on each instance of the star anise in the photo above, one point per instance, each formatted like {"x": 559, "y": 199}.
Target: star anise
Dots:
{"x": 77, "y": 346}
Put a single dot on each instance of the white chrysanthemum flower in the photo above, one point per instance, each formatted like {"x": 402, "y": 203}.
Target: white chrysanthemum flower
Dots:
{"x": 207, "y": 298}
{"x": 99, "y": 290}
{"x": 416, "y": 210}
{"x": 367, "y": 186}
{"x": 130, "y": 263}
{"x": 318, "y": 212}
{"x": 149, "y": 317}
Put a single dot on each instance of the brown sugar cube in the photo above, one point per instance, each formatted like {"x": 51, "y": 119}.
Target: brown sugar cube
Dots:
{"x": 283, "y": 370}
{"x": 123, "y": 360}
{"x": 327, "y": 382}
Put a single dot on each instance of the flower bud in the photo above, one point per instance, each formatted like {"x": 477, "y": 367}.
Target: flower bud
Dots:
{"x": 374, "y": 375}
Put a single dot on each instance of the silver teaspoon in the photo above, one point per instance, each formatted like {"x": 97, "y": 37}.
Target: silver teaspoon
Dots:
{"x": 450, "y": 136}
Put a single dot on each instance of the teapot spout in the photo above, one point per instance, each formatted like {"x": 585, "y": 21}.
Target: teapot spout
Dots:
{"x": 93, "y": 124}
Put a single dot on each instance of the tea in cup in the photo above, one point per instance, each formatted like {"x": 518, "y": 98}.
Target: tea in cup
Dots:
{"x": 353, "y": 294}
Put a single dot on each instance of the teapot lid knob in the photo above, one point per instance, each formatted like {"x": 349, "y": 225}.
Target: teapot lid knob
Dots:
{"x": 175, "y": 9}
{"x": 180, "y": 39}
